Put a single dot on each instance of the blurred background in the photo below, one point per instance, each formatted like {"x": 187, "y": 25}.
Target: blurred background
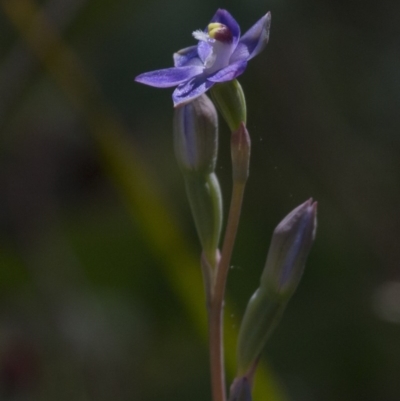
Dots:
{"x": 100, "y": 287}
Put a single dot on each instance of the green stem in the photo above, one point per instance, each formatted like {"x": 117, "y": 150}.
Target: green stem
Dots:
{"x": 229, "y": 240}
{"x": 216, "y": 306}
{"x": 240, "y": 152}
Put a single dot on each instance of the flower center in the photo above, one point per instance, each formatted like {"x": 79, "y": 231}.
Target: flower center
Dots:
{"x": 220, "y": 39}
{"x": 219, "y": 32}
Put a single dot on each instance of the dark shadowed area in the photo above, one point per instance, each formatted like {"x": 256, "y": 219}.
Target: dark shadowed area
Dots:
{"x": 100, "y": 288}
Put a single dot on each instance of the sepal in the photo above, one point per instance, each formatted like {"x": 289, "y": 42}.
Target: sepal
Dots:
{"x": 230, "y": 101}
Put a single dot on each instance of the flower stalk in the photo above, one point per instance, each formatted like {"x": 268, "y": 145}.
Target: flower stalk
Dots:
{"x": 217, "y": 300}
{"x": 220, "y": 56}
{"x": 240, "y": 153}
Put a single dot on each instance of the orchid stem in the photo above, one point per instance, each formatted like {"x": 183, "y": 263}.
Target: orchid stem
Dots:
{"x": 240, "y": 152}
{"x": 216, "y": 306}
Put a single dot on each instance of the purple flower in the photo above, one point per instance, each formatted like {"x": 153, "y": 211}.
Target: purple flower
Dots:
{"x": 221, "y": 55}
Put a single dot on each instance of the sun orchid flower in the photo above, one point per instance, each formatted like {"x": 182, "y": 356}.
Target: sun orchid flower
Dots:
{"x": 221, "y": 55}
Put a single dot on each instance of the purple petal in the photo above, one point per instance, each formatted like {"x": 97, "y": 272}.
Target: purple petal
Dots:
{"x": 225, "y": 18}
{"x": 187, "y": 56}
{"x": 228, "y": 73}
{"x": 169, "y": 76}
{"x": 254, "y": 40}
{"x": 204, "y": 49}
{"x": 188, "y": 91}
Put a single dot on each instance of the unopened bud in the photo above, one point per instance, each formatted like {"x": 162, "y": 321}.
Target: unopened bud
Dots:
{"x": 230, "y": 100}
{"x": 290, "y": 246}
{"x": 260, "y": 319}
{"x": 205, "y": 200}
{"x": 240, "y": 390}
{"x": 196, "y": 136}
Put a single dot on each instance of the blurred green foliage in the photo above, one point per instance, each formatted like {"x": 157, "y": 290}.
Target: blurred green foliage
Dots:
{"x": 89, "y": 309}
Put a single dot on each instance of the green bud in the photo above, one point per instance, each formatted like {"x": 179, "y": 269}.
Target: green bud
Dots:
{"x": 205, "y": 200}
{"x": 260, "y": 319}
{"x": 230, "y": 100}
{"x": 291, "y": 243}
{"x": 196, "y": 136}
{"x": 290, "y": 246}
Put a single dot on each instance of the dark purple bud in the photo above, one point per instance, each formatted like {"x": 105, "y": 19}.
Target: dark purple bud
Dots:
{"x": 240, "y": 390}
{"x": 290, "y": 246}
{"x": 196, "y": 136}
